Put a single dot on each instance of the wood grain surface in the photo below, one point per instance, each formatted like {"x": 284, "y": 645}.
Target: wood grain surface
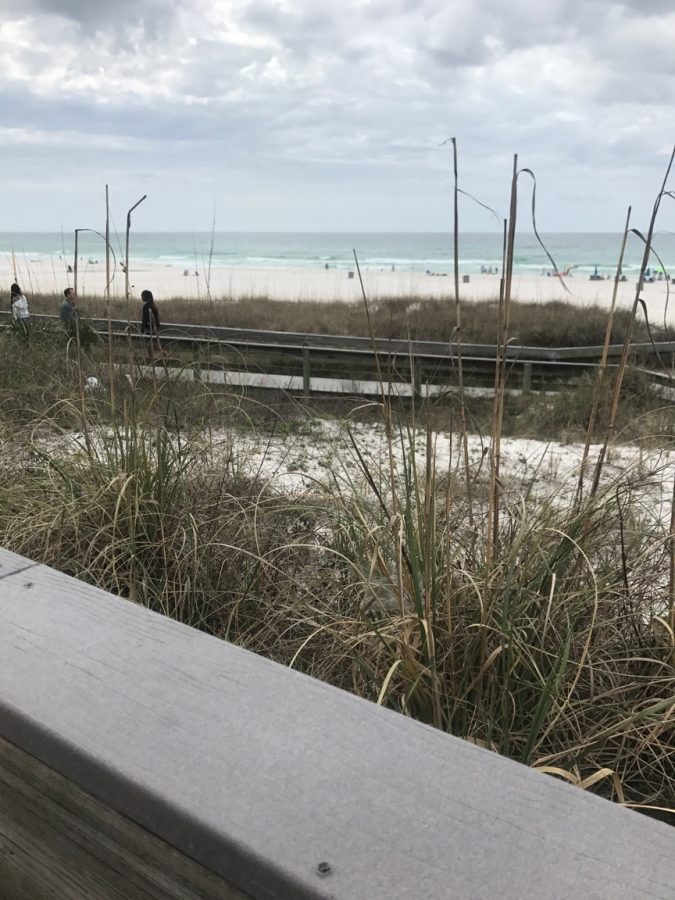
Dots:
{"x": 276, "y": 783}
{"x": 58, "y": 841}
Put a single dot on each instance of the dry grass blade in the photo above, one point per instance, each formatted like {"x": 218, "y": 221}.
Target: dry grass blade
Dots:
{"x": 603, "y": 360}
{"x": 458, "y": 331}
{"x": 502, "y": 609}
{"x": 500, "y": 371}
{"x": 618, "y": 381}
{"x": 671, "y": 572}
{"x": 556, "y": 270}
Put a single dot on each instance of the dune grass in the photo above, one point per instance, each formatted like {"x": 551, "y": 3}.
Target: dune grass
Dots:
{"x": 554, "y": 324}
{"x": 535, "y": 619}
{"x": 557, "y": 652}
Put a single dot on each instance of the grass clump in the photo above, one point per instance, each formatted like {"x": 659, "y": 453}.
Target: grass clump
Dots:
{"x": 534, "y": 618}
{"x": 556, "y": 653}
{"x": 564, "y": 415}
{"x": 553, "y": 324}
{"x": 133, "y": 510}
{"x": 559, "y": 655}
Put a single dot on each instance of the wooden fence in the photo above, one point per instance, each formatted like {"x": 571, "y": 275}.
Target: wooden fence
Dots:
{"x": 142, "y": 759}
{"x": 334, "y": 363}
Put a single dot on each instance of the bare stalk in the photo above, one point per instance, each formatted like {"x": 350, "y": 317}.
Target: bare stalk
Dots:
{"x": 107, "y": 288}
{"x": 126, "y": 254}
{"x": 616, "y": 390}
{"x": 107, "y": 243}
{"x": 496, "y": 410}
{"x": 603, "y": 363}
{"x": 208, "y": 268}
{"x": 386, "y": 406}
{"x": 671, "y": 548}
{"x": 429, "y": 545}
{"x": 500, "y": 366}
{"x": 458, "y": 335}
{"x": 75, "y": 259}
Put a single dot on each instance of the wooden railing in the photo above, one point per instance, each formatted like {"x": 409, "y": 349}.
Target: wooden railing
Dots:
{"x": 142, "y": 759}
{"x": 310, "y": 361}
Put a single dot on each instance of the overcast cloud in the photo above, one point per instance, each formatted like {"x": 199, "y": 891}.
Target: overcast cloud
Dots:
{"x": 299, "y": 115}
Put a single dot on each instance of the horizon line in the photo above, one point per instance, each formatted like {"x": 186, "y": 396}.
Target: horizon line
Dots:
{"x": 313, "y": 232}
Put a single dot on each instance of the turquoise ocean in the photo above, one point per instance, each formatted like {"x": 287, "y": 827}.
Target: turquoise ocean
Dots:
{"x": 406, "y": 252}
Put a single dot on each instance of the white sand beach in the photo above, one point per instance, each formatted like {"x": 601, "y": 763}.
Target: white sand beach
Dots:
{"x": 331, "y": 285}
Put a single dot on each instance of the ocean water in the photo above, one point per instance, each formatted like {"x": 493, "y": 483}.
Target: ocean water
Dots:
{"x": 422, "y": 251}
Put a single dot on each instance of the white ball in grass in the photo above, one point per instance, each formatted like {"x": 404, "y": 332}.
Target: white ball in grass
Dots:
{"x": 93, "y": 384}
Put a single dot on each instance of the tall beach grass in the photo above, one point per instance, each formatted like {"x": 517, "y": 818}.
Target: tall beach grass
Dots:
{"x": 534, "y": 619}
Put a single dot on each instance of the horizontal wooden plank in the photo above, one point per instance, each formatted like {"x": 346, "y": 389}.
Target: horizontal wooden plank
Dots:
{"x": 356, "y": 344}
{"x": 286, "y": 787}
{"x": 58, "y": 841}
{"x": 11, "y": 563}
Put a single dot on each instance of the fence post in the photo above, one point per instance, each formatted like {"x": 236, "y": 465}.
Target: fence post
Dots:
{"x": 306, "y": 385}
{"x": 196, "y": 362}
{"x": 527, "y": 377}
{"x": 416, "y": 376}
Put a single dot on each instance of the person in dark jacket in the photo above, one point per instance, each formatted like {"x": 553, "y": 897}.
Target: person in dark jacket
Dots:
{"x": 150, "y": 317}
{"x": 68, "y": 312}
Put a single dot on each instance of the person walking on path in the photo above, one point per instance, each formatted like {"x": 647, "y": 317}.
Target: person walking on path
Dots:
{"x": 150, "y": 316}
{"x": 68, "y": 312}
{"x": 150, "y": 322}
{"x": 18, "y": 303}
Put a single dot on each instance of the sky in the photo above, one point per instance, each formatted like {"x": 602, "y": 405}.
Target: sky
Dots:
{"x": 316, "y": 115}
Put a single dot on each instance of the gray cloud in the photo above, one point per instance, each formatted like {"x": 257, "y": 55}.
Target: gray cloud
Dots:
{"x": 338, "y": 101}
{"x": 101, "y": 11}
{"x": 126, "y": 20}
{"x": 648, "y": 7}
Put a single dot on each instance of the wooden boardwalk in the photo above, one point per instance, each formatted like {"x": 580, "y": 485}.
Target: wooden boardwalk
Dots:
{"x": 319, "y": 363}
{"x": 142, "y": 759}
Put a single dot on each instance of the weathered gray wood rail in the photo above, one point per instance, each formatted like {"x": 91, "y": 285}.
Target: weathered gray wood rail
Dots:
{"x": 142, "y": 759}
{"x": 416, "y": 363}
{"x": 433, "y": 349}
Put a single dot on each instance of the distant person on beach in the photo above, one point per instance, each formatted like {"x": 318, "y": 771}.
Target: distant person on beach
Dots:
{"x": 18, "y": 303}
{"x": 150, "y": 316}
{"x": 68, "y": 312}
